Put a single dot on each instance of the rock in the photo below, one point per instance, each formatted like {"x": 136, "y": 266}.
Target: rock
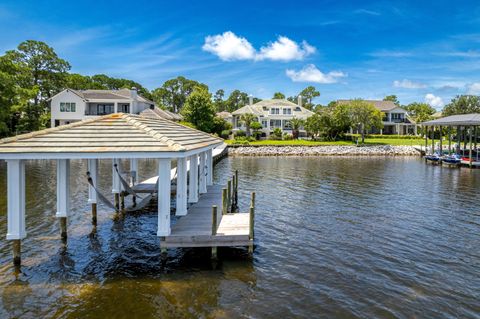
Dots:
{"x": 330, "y": 150}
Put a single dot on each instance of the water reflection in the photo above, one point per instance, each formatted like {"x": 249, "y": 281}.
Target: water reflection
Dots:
{"x": 336, "y": 237}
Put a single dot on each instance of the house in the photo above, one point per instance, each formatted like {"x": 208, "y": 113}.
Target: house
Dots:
{"x": 395, "y": 120}
{"x": 227, "y": 116}
{"x": 71, "y": 106}
{"x": 274, "y": 113}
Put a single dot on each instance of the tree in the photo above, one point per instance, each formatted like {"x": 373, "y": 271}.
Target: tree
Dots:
{"x": 278, "y": 95}
{"x": 199, "y": 109}
{"x": 247, "y": 120}
{"x": 462, "y": 104}
{"x": 218, "y": 100}
{"x": 392, "y": 98}
{"x": 220, "y": 125}
{"x": 174, "y": 93}
{"x": 308, "y": 94}
{"x": 364, "y": 115}
{"x": 296, "y": 124}
{"x": 313, "y": 125}
{"x": 256, "y": 127}
{"x": 236, "y": 100}
{"x": 45, "y": 73}
{"x": 420, "y": 112}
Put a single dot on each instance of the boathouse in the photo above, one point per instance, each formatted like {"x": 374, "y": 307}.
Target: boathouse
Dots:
{"x": 115, "y": 136}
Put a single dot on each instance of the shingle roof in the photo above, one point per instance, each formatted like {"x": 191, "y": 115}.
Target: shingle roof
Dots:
{"x": 453, "y": 120}
{"x": 262, "y": 108}
{"x": 379, "y": 104}
{"x": 114, "y": 133}
{"x": 158, "y": 112}
{"x": 122, "y": 94}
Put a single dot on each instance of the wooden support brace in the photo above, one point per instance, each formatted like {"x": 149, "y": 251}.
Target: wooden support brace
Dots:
{"x": 63, "y": 227}
{"x": 94, "y": 213}
{"x": 16, "y": 246}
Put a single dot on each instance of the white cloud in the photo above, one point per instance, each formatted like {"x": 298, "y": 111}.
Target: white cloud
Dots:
{"x": 368, "y": 12}
{"x": 285, "y": 49}
{"x": 434, "y": 101}
{"x": 228, "y": 46}
{"x": 310, "y": 73}
{"x": 407, "y": 84}
{"x": 474, "y": 88}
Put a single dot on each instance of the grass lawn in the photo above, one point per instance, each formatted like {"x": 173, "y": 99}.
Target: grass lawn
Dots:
{"x": 368, "y": 141}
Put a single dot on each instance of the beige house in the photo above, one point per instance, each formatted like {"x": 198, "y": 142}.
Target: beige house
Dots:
{"x": 274, "y": 113}
{"x": 395, "y": 120}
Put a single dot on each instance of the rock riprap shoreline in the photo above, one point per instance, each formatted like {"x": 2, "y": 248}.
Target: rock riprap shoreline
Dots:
{"x": 333, "y": 150}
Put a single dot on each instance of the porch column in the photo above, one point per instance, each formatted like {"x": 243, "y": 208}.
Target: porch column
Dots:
{"x": 193, "y": 180}
{"x": 134, "y": 170}
{"x": 381, "y": 131}
{"x": 116, "y": 185}
{"x": 210, "y": 167}
{"x": 63, "y": 194}
{"x": 181, "y": 187}
{"x": 203, "y": 173}
{"x": 164, "y": 189}
{"x": 92, "y": 195}
{"x": 415, "y": 129}
{"x": 16, "y": 205}
{"x": 115, "y": 107}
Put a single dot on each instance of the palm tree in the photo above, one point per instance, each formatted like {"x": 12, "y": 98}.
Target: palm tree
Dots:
{"x": 296, "y": 125}
{"x": 247, "y": 119}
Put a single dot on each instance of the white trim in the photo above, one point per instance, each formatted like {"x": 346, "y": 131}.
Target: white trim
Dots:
{"x": 203, "y": 173}
{"x": 181, "y": 187}
{"x": 116, "y": 185}
{"x": 193, "y": 179}
{"x": 106, "y": 155}
{"x": 164, "y": 189}
{"x": 16, "y": 200}
{"x": 63, "y": 188}
{"x": 93, "y": 169}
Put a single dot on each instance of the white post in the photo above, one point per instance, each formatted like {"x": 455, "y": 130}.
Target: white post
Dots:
{"x": 115, "y": 107}
{"x": 16, "y": 200}
{"x": 116, "y": 185}
{"x": 164, "y": 167}
{"x": 210, "y": 167}
{"x": 181, "y": 187}
{"x": 134, "y": 170}
{"x": 203, "y": 173}
{"x": 193, "y": 180}
{"x": 93, "y": 169}
{"x": 63, "y": 187}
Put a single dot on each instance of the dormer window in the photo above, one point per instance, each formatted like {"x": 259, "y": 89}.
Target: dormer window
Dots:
{"x": 287, "y": 111}
{"x": 298, "y": 109}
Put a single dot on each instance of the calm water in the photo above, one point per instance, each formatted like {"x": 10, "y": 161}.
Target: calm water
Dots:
{"x": 336, "y": 238}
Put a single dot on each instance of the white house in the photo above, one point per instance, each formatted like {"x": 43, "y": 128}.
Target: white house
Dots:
{"x": 274, "y": 113}
{"x": 395, "y": 120}
{"x": 71, "y": 106}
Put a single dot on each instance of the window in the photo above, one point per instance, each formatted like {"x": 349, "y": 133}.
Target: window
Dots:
{"x": 275, "y": 123}
{"x": 397, "y": 116}
{"x": 124, "y": 108}
{"x": 298, "y": 109}
{"x": 67, "y": 107}
{"x": 287, "y": 111}
{"x": 274, "y": 110}
{"x": 287, "y": 125}
{"x": 264, "y": 123}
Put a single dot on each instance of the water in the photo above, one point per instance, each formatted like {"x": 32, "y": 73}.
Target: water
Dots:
{"x": 335, "y": 238}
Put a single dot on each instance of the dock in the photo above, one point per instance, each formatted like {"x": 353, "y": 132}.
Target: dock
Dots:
{"x": 196, "y": 229}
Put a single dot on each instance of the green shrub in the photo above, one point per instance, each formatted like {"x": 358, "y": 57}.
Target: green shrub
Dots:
{"x": 287, "y": 137}
{"x": 392, "y": 136}
{"x": 239, "y": 133}
{"x": 225, "y": 134}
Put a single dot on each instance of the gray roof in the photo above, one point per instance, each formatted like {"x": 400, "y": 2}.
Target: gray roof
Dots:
{"x": 122, "y": 94}
{"x": 453, "y": 120}
{"x": 262, "y": 108}
{"x": 114, "y": 133}
{"x": 379, "y": 104}
{"x": 164, "y": 114}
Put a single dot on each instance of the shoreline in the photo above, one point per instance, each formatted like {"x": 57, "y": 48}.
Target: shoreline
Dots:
{"x": 327, "y": 150}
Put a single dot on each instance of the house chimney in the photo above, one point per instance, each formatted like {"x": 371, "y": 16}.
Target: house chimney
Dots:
{"x": 250, "y": 99}
{"x": 299, "y": 100}
{"x": 133, "y": 93}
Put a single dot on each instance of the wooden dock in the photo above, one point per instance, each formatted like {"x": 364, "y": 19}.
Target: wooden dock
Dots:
{"x": 207, "y": 224}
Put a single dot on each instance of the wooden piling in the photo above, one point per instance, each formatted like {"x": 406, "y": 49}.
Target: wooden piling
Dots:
{"x": 117, "y": 200}
{"x": 236, "y": 189}
{"x": 440, "y": 141}
{"x": 63, "y": 227}
{"x": 470, "y": 150}
{"x": 229, "y": 195}
{"x": 16, "y": 246}
{"x": 214, "y": 229}
{"x": 252, "y": 200}
{"x": 122, "y": 200}
{"x": 94, "y": 213}
{"x": 251, "y": 233}
{"x": 224, "y": 201}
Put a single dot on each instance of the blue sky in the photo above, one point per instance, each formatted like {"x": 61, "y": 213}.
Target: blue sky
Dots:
{"x": 418, "y": 50}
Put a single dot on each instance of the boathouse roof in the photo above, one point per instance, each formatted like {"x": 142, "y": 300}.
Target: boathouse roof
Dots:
{"x": 111, "y": 134}
{"x": 158, "y": 112}
{"x": 456, "y": 120}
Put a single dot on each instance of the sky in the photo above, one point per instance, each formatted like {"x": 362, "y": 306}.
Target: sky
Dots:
{"x": 421, "y": 51}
